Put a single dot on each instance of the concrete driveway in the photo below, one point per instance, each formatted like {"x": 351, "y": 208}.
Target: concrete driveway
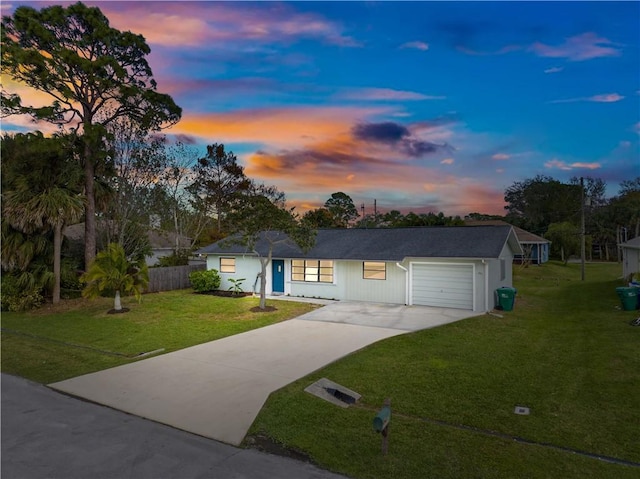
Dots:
{"x": 216, "y": 389}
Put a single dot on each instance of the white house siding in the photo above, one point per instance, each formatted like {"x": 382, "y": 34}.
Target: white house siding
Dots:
{"x": 349, "y": 283}
{"x": 496, "y": 279}
{"x": 335, "y": 290}
{"x": 631, "y": 261}
{"x": 247, "y": 267}
{"x": 390, "y": 290}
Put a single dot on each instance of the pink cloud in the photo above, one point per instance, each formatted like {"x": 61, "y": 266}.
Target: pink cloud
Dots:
{"x": 502, "y": 51}
{"x": 606, "y": 98}
{"x": 447, "y": 161}
{"x": 500, "y": 156}
{"x": 554, "y": 70}
{"x": 556, "y": 164}
{"x": 585, "y": 46}
{"x": 603, "y": 98}
{"x": 382, "y": 94}
{"x": 415, "y": 45}
{"x": 196, "y": 24}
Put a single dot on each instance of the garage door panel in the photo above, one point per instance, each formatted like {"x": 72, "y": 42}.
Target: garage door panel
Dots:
{"x": 447, "y": 286}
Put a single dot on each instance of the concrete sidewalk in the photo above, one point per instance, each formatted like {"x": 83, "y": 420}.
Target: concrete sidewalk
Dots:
{"x": 216, "y": 389}
{"x": 46, "y": 435}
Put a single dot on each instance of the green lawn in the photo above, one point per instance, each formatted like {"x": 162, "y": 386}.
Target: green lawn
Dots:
{"x": 567, "y": 351}
{"x": 55, "y": 343}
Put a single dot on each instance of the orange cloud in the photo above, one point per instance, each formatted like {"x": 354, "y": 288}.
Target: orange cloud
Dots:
{"x": 277, "y": 127}
{"x": 29, "y": 97}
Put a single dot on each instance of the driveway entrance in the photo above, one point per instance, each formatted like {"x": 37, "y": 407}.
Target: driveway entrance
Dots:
{"x": 216, "y": 389}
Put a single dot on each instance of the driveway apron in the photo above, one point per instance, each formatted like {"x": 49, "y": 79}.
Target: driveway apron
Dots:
{"x": 216, "y": 389}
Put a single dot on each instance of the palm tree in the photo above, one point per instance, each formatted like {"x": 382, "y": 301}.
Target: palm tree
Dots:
{"x": 50, "y": 208}
{"x": 41, "y": 193}
{"x": 112, "y": 271}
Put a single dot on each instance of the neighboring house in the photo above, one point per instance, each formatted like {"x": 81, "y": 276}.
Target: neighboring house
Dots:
{"x": 450, "y": 267}
{"x": 535, "y": 249}
{"x": 162, "y": 242}
{"x": 631, "y": 257}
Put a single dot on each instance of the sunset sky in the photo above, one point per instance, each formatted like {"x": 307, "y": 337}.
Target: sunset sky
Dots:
{"x": 422, "y": 106}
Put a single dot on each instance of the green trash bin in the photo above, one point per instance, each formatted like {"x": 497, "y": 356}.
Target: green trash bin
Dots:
{"x": 506, "y": 298}
{"x": 628, "y": 297}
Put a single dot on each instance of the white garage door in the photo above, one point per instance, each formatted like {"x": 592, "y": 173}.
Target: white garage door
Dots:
{"x": 442, "y": 285}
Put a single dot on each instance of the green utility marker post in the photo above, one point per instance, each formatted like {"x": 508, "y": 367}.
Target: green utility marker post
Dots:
{"x": 381, "y": 424}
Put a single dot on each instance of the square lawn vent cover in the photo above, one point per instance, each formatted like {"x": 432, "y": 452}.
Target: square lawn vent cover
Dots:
{"x": 333, "y": 392}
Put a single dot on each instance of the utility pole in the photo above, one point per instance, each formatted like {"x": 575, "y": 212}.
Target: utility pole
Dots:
{"x": 375, "y": 212}
{"x": 582, "y": 235}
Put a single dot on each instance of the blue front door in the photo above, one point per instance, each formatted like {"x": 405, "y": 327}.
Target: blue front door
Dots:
{"x": 277, "y": 275}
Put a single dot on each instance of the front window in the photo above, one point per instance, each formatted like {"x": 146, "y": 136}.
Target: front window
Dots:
{"x": 374, "y": 270}
{"x": 314, "y": 271}
{"x": 227, "y": 265}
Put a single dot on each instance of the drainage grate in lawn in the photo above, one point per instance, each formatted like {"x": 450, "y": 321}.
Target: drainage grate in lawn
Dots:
{"x": 333, "y": 392}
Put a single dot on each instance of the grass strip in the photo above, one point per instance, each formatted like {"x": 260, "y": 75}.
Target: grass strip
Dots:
{"x": 81, "y": 337}
{"x": 486, "y": 432}
{"x": 79, "y": 346}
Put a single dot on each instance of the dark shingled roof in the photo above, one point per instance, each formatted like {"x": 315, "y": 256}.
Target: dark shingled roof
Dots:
{"x": 523, "y": 236}
{"x": 392, "y": 244}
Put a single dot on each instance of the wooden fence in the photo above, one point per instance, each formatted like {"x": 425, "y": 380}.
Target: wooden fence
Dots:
{"x": 171, "y": 277}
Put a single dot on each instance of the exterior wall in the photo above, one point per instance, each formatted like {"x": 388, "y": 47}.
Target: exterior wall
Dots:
{"x": 335, "y": 290}
{"x": 348, "y": 283}
{"x": 156, "y": 254}
{"x": 496, "y": 279}
{"x": 631, "y": 261}
{"x": 247, "y": 267}
{"x": 540, "y": 253}
{"x": 390, "y": 290}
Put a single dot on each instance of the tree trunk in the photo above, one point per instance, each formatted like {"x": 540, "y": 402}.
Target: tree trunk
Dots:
{"x": 117, "y": 305}
{"x": 57, "y": 253}
{"x": 90, "y": 210}
{"x": 175, "y": 226}
{"x": 263, "y": 282}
